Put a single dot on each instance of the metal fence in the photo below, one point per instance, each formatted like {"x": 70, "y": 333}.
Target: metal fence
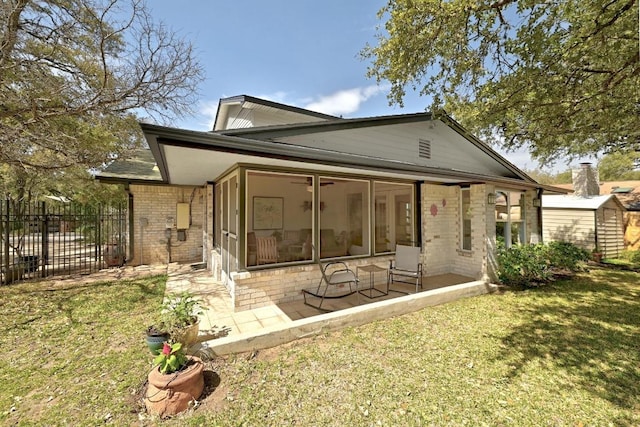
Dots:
{"x": 47, "y": 239}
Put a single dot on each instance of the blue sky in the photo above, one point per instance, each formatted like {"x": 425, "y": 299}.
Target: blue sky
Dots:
{"x": 297, "y": 52}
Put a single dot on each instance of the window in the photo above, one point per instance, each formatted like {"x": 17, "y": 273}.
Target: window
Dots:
{"x": 510, "y": 227}
{"x": 279, "y": 209}
{"x": 355, "y": 217}
{"x": 465, "y": 214}
{"x": 393, "y": 219}
{"x": 344, "y": 217}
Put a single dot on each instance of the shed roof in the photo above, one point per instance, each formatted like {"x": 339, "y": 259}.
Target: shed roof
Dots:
{"x": 570, "y": 201}
{"x": 629, "y": 199}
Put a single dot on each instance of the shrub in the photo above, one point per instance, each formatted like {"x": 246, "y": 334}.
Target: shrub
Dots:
{"x": 631, "y": 256}
{"x": 528, "y": 265}
{"x": 566, "y": 256}
{"x": 523, "y": 265}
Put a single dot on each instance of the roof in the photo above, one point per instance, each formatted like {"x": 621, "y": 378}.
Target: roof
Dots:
{"x": 629, "y": 199}
{"x": 385, "y": 146}
{"x": 570, "y": 201}
{"x": 293, "y": 114}
{"x": 140, "y": 166}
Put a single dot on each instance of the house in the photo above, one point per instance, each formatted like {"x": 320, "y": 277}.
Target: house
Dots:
{"x": 273, "y": 187}
{"x": 587, "y": 217}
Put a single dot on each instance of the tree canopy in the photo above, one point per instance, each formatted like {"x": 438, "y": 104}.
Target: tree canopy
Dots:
{"x": 75, "y": 74}
{"x": 559, "y": 77}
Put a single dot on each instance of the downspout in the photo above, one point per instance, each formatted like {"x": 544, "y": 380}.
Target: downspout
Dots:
{"x": 132, "y": 239}
{"x": 540, "y": 232}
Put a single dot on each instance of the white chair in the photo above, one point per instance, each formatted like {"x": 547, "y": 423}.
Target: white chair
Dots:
{"x": 406, "y": 267}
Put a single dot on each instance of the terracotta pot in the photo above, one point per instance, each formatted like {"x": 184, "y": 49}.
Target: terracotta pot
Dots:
{"x": 170, "y": 394}
{"x": 187, "y": 336}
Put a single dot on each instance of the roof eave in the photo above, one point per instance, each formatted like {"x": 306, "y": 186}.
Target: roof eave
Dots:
{"x": 159, "y": 135}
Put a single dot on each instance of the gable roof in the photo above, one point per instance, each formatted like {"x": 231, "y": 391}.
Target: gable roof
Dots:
{"x": 569, "y": 201}
{"x": 288, "y": 113}
{"x": 629, "y": 199}
{"x": 386, "y": 147}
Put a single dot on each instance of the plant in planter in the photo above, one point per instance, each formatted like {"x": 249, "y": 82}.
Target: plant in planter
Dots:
{"x": 180, "y": 317}
{"x": 596, "y": 254}
{"x": 157, "y": 335}
{"x": 174, "y": 382}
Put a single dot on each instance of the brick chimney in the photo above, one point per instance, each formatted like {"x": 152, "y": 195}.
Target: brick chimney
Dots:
{"x": 586, "y": 182}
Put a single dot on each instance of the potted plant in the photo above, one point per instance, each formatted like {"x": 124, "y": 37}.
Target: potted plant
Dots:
{"x": 175, "y": 380}
{"x": 596, "y": 254}
{"x": 157, "y": 335}
{"x": 180, "y": 317}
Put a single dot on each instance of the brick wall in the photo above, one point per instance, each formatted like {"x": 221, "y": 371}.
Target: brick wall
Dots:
{"x": 153, "y": 205}
{"x": 280, "y": 285}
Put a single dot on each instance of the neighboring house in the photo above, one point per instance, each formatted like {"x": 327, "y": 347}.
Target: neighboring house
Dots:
{"x": 274, "y": 187}
{"x": 628, "y": 193}
{"x": 586, "y": 218}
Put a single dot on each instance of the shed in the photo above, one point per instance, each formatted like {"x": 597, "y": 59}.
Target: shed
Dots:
{"x": 589, "y": 222}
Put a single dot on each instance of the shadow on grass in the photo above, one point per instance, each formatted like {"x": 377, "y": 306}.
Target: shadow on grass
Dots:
{"x": 589, "y": 328}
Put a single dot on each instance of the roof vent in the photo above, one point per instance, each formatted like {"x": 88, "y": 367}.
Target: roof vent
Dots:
{"x": 621, "y": 190}
{"x": 424, "y": 148}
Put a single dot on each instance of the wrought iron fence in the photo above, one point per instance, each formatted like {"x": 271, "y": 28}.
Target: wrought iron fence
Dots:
{"x": 47, "y": 239}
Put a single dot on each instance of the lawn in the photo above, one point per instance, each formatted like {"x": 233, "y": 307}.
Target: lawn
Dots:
{"x": 565, "y": 354}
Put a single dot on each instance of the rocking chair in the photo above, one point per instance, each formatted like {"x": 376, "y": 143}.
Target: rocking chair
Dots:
{"x": 332, "y": 276}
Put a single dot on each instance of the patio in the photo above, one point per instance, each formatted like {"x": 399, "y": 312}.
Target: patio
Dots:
{"x": 223, "y": 331}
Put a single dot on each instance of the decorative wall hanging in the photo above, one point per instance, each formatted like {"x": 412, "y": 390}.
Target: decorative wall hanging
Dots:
{"x": 434, "y": 210}
{"x": 267, "y": 213}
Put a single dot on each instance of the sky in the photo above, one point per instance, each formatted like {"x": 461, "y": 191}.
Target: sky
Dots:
{"x": 297, "y": 52}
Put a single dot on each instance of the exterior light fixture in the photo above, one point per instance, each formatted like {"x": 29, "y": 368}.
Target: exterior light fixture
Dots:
{"x": 491, "y": 198}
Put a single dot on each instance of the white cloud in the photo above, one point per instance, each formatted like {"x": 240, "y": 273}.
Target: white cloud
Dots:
{"x": 208, "y": 110}
{"x": 346, "y": 101}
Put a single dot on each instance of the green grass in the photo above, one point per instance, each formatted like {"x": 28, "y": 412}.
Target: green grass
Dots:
{"x": 74, "y": 354}
{"x": 565, "y": 354}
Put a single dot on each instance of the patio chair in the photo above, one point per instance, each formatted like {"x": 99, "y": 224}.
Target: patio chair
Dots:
{"x": 336, "y": 274}
{"x": 267, "y": 250}
{"x": 406, "y": 267}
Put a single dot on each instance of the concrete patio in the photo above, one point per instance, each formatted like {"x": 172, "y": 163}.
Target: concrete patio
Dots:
{"x": 223, "y": 331}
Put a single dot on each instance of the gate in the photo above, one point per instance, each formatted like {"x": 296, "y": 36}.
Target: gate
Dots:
{"x": 49, "y": 239}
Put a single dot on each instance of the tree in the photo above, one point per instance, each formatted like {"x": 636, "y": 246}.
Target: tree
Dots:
{"x": 562, "y": 78}
{"x": 619, "y": 167}
{"x": 75, "y": 73}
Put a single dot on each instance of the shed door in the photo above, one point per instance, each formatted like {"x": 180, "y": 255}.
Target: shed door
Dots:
{"x": 612, "y": 241}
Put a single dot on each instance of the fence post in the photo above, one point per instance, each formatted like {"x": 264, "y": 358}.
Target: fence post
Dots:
{"x": 44, "y": 238}
{"x": 6, "y": 238}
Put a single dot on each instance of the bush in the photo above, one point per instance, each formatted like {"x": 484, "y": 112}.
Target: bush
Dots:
{"x": 523, "y": 265}
{"x": 528, "y": 265}
{"x": 567, "y": 256}
{"x": 631, "y": 256}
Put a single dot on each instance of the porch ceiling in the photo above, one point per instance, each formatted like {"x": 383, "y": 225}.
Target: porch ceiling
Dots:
{"x": 190, "y": 166}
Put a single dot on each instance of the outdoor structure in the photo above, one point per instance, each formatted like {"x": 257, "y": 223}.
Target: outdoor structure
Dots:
{"x": 585, "y": 218}
{"x": 273, "y": 188}
{"x": 628, "y": 193}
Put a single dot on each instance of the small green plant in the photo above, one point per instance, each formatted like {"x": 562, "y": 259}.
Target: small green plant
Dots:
{"x": 181, "y": 310}
{"x": 171, "y": 358}
{"x": 631, "y": 256}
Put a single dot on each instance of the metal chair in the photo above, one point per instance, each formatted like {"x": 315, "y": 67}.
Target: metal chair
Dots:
{"x": 337, "y": 274}
{"x": 406, "y": 266}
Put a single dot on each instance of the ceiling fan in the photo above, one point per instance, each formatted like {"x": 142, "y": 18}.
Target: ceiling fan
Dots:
{"x": 309, "y": 182}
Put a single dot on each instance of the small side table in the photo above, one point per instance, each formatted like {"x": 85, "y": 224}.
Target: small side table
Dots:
{"x": 372, "y": 269}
